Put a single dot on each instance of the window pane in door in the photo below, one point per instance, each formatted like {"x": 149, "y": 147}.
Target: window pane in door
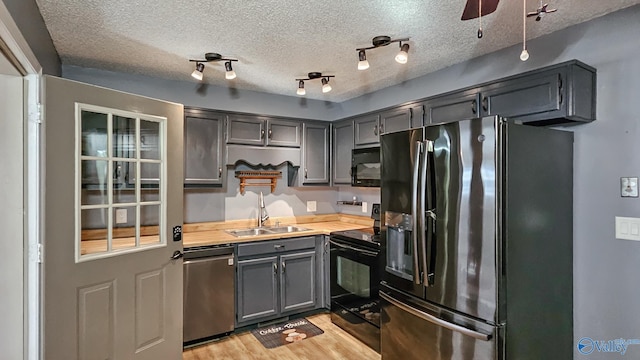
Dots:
{"x": 124, "y": 137}
{"x": 149, "y": 136}
{"x": 149, "y": 220}
{"x": 94, "y": 133}
{"x": 124, "y": 227}
{"x": 147, "y": 195}
{"x": 94, "y": 231}
{"x": 123, "y": 174}
{"x": 150, "y": 173}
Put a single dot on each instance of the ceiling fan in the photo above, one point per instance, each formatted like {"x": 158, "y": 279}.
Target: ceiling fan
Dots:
{"x": 476, "y": 9}
{"x": 539, "y": 13}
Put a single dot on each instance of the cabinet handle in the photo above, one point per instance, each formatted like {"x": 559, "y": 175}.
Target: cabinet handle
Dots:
{"x": 485, "y": 104}
{"x": 474, "y": 106}
{"x": 284, "y": 267}
{"x": 270, "y": 134}
{"x": 560, "y": 88}
{"x": 306, "y": 174}
{"x": 261, "y": 134}
{"x": 375, "y": 130}
{"x": 275, "y": 268}
{"x": 278, "y": 246}
{"x": 219, "y": 172}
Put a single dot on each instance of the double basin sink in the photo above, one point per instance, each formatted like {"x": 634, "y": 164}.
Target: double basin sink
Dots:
{"x": 266, "y": 230}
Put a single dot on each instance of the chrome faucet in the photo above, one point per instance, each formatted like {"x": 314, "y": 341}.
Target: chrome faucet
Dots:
{"x": 262, "y": 211}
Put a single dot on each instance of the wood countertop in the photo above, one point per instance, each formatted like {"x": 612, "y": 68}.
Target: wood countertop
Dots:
{"x": 204, "y": 234}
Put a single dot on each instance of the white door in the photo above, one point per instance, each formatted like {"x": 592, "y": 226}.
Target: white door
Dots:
{"x": 113, "y": 202}
{"x": 12, "y": 241}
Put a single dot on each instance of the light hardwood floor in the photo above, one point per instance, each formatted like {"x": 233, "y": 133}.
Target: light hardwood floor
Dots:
{"x": 335, "y": 343}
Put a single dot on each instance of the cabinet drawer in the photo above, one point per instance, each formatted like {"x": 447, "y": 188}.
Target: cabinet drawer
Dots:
{"x": 276, "y": 246}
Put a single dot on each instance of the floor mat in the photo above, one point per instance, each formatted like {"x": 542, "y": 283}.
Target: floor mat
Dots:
{"x": 286, "y": 332}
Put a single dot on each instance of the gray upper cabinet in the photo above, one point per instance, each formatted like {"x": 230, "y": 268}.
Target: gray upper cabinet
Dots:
{"x": 458, "y": 106}
{"x": 342, "y": 146}
{"x": 366, "y": 130}
{"x": 559, "y": 94}
{"x": 262, "y": 131}
{"x": 417, "y": 115}
{"x": 204, "y": 148}
{"x": 393, "y": 120}
{"x": 315, "y": 153}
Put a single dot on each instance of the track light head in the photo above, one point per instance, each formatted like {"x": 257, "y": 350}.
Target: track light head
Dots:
{"x": 197, "y": 73}
{"x": 301, "y": 91}
{"x": 229, "y": 74}
{"x": 403, "y": 55}
{"x": 363, "y": 64}
{"x": 325, "y": 85}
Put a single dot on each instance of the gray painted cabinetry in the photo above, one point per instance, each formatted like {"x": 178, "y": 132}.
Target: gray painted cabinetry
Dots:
{"x": 204, "y": 148}
{"x": 342, "y": 146}
{"x": 315, "y": 153}
{"x": 458, "y": 106}
{"x": 262, "y": 131}
{"x": 366, "y": 131}
{"x": 397, "y": 119}
{"x": 277, "y": 278}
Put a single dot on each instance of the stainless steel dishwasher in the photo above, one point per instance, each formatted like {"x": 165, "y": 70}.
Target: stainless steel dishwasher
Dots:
{"x": 209, "y": 292}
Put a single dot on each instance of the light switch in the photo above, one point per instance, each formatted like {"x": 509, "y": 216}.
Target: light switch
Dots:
{"x": 311, "y": 206}
{"x": 121, "y": 216}
{"x": 364, "y": 207}
{"x": 629, "y": 187}
{"x": 627, "y": 228}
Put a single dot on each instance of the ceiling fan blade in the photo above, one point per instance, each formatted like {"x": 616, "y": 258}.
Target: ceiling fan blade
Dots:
{"x": 535, "y": 13}
{"x": 471, "y": 9}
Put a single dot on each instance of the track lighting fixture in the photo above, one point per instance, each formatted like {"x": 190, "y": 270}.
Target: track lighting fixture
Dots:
{"x": 524, "y": 55}
{"x": 213, "y": 57}
{"x": 312, "y": 76}
{"x": 380, "y": 41}
{"x": 197, "y": 73}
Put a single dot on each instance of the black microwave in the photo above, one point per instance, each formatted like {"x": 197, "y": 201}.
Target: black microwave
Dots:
{"x": 365, "y": 167}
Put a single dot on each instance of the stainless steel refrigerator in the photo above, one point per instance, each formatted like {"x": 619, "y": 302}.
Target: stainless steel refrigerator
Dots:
{"x": 477, "y": 238}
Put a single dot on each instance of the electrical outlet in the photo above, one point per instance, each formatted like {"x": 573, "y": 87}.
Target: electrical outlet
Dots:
{"x": 629, "y": 187}
{"x": 121, "y": 216}
{"x": 364, "y": 207}
{"x": 311, "y": 206}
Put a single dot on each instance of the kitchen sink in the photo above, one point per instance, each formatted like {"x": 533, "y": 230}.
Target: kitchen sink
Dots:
{"x": 249, "y": 232}
{"x": 286, "y": 229}
{"x": 266, "y": 230}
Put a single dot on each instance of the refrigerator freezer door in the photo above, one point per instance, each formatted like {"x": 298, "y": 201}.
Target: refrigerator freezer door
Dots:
{"x": 462, "y": 250}
{"x": 400, "y": 158}
{"x": 412, "y": 329}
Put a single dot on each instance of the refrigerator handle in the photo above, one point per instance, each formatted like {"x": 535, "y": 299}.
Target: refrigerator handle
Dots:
{"x": 416, "y": 210}
{"x": 435, "y": 320}
{"x": 430, "y": 213}
{"x": 423, "y": 207}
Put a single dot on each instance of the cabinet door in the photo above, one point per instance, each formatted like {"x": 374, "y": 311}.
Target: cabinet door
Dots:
{"x": 315, "y": 154}
{"x": 203, "y": 148}
{"x": 342, "y": 146}
{"x": 298, "y": 281}
{"x": 530, "y": 95}
{"x": 417, "y": 115}
{"x": 395, "y": 120}
{"x": 247, "y": 130}
{"x": 452, "y": 107}
{"x": 366, "y": 131}
{"x": 257, "y": 289}
{"x": 283, "y": 133}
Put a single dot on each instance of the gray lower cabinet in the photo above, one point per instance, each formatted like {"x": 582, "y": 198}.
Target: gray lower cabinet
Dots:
{"x": 277, "y": 278}
{"x": 342, "y": 147}
{"x": 204, "y": 148}
{"x": 315, "y": 154}
{"x": 262, "y": 131}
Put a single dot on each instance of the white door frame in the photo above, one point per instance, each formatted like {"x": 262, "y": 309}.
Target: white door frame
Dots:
{"x": 18, "y": 51}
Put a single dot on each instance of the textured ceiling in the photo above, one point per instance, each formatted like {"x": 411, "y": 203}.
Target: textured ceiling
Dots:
{"x": 278, "y": 41}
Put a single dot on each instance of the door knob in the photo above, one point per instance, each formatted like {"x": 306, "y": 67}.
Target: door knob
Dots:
{"x": 177, "y": 255}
